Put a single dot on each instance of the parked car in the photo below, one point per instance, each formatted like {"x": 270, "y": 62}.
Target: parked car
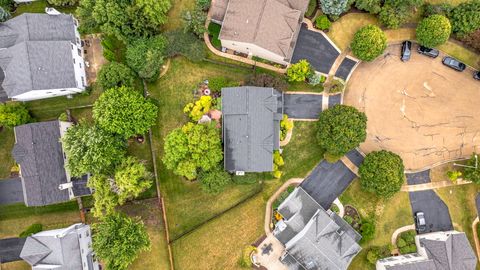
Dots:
{"x": 420, "y": 222}
{"x": 476, "y": 75}
{"x": 406, "y": 50}
{"x": 428, "y": 52}
{"x": 454, "y": 63}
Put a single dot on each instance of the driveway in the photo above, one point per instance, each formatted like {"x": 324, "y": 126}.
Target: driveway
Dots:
{"x": 436, "y": 212}
{"x": 327, "y": 182}
{"x": 334, "y": 100}
{"x": 355, "y": 157}
{"x": 302, "y": 106}
{"x": 422, "y": 177}
{"x": 10, "y": 249}
{"x": 345, "y": 68}
{"x": 316, "y": 49}
{"x": 11, "y": 191}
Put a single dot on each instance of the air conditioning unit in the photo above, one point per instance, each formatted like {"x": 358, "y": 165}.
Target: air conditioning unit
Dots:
{"x": 240, "y": 173}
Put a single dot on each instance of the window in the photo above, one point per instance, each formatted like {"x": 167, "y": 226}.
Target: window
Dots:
{"x": 80, "y": 64}
{"x": 83, "y": 81}
{"x": 74, "y": 60}
{"x": 63, "y": 90}
{"x": 79, "y": 52}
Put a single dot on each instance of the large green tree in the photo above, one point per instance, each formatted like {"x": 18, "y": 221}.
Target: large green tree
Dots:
{"x": 117, "y": 240}
{"x": 115, "y": 75}
{"x": 472, "y": 172}
{"x": 124, "y": 111}
{"x": 369, "y": 42}
{"x": 340, "y": 129}
{"x": 394, "y": 13}
{"x": 465, "y": 18}
{"x": 145, "y": 56}
{"x": 104, "y": 199}
{"x": 191, "y": 148}
{"x": 13, "y": 114}
{"x": 125, "y": 19}
{"x": 433, "y": 31}
{"x": 131, "y": 179}
{"x": 90, "y": 149}
{"x": 382, "y": 173}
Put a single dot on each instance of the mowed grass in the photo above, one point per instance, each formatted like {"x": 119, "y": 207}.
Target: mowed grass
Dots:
{"x": 468, "y": 57}
{"x": 7, "y": 140}
{"x": 39, "y": 7}
{"x": 389, "y": 215}
{"x": 175, "y": 14}
{"x": 343, "y": 30}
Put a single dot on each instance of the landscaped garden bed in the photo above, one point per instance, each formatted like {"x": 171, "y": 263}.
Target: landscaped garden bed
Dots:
{"x": 406, "y": 242}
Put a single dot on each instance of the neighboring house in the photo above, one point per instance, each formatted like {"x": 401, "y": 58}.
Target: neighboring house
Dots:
{"x": 251, "y": 127}
{"x": 314, "y": 239}
{"x": 41, "y": 56}
{"x": 63, "y": 249}
{"x": 435, "y": 251}
{"x": 263, "y": 28}
{"x": 41, "y": 159}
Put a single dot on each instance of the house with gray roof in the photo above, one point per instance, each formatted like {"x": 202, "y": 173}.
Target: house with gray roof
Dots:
{"x": 251, "y": 127}
{"x": 314, "y": 238}
{"x": 263, "y": 28}
{"x": 41, "y": 159}
{"x": 63, "y": 249}
{"x": 435, "y": 251}
{"x": 41, "y": 56}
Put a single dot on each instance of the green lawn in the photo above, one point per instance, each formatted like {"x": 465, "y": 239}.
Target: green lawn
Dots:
{"x": 175, "y": 14}
{"x": 39, "y": 7}
{"x": 7, "y": 140}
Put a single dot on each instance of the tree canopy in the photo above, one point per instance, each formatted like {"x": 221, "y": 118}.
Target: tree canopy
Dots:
{"x": 193, "y": 147}
{"x": 13, "y": 114}
{"x": 382, "y": 173}
{"x": 334, "y": 7}
{"x": 90, "y": 149}
{"x": 340, "y": 129}
{"x": 145, "y": 56}
{"x": 369, "y": 42}
{"x": 115, "y": 75}
{"x": 465, "y": 18}
{"x": 433, "y": 31}
{"x": 394, "y": 13}
{"x": 104, "y": 199}
{"x": 371, "y": 6}
{"x": 471, "y": 173}
{"x": 131, "y": 179}
{"x": 117, "y": 240}
{"x": 124, "y": 111}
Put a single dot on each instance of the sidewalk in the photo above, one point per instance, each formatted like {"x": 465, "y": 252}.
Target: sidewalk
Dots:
{"x": 433, "y": 185}
{"x": 398, "y": 231}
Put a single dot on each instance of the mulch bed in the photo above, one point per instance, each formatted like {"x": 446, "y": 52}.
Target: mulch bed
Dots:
{"x": 353, "y": 213}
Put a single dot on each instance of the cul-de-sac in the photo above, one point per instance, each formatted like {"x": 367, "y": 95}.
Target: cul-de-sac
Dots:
{"x": 239, "y": 134}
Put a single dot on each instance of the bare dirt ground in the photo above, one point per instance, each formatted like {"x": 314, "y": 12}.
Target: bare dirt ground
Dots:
{"x": 423, "y": 111}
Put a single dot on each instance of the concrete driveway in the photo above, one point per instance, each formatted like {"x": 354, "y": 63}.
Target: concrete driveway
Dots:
{"x": 302, "y": 106}
{"x": 327, "y": 182}
{"x": 10, "y": 249}
{"x": 316, "y": 49}
{"x": 11, "y": 191}
{"x": 436, "y": 211}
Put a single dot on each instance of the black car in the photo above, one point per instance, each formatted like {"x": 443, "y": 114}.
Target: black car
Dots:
{"x": 406, "y": 50}
{"x": 428, "y": 52}
{"x": 476, "y": 75}
{"x": 420, "y": 222}
{"x": 454, "y": 63}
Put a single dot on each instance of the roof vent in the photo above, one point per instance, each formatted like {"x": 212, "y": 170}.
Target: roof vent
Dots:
{"x": 65, "y": 186}
{"x": 52, "y": 11}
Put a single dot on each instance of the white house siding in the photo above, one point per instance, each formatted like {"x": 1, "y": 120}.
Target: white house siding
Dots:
{"x": 255, "y": 50}
{"x": 48, "y": 93}
{"x": 79, "y": 66}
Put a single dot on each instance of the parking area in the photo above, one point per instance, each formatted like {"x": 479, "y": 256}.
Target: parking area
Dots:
{"x": 302, "y": 106}
{"x": 436, "y": 211}
{"x": 429, "y": 112}
{"x": 11, "y": 191}
{"x": 316, "y": 49}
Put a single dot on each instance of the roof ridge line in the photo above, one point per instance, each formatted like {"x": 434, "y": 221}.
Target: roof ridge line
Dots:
{"x": 259, "y": 20}
{"x": 29, "y": 64}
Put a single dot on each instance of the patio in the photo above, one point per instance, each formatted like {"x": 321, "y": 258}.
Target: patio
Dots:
{"x": 94, "y": 59}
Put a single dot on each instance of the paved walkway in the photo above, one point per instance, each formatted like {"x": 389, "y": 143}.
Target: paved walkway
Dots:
{"x": 350, "y": 165}
{"x": 341, "y": 209}
{"x": 270, "y": 260}
{"x": 433, "y": 185}
{"x": 398, "y": 231}
{"x": 288, "y": 137}
{"x": 475, "y": 237}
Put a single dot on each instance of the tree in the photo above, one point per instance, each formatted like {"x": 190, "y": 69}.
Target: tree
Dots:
{"x": 90, "y": 149}
{"x": 4, "y": 14}
{"x": 204, "y": 4}
{"x": 340, "y": 129}
{"x": 84, "y": 13}
{"x": 124, "y": 111}
{"x": 7, "y": 5}
{"x": 369, "y": 42}
{"x": 433, "y": 31}
{"x": 125, "y": 19}
{"x": 382, "y": 173}
{"x": 472, "y": 172}
{"x": 131, "y": 179}
{"x": 214, "y": 181}
{"x": 473, "y": 40}
{"x": 117, "y": 240}
{"x": 334, "y": 7}
{"x": 104, "y": 199}
{"x": 185, "y": 44}
{"x": 14, "y": 114}
{"x": 195, "y": 21}
{"x": 63, "y": 2}
{"x": 395, "y": 13}
{"x": 465, "y": 18}
{"x": 191, "y": 148}
{"x": 371, "y": 6}
{"x": 115, "y": 75}
{"x": 145, "y": 56}
{"x": 300, "y": 71}
{"x": 440, "y": 9}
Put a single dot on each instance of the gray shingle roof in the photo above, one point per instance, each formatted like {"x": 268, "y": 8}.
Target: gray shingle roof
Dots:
{"x": 251, "y": 127}
{"x": 37, "y": 65}
{"x": 37, "y": 27}
{"x": 39, "y": 152}
{"x": 453, "y": 254}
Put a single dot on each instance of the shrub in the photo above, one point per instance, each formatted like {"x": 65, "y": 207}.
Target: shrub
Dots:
{"x": 199, "y": 108}
{"x": 266, "y": 80}
{"x": 63, "y": 117}
{"x": 348, "y": 219}
{"x": 454, "y": 175}
{"x": 217, "y": 83}
{"x": 285, "y": 126}
{"x": 14, "y": 114}
{"x": 401, "y": 243}
{"x": 367, "y": 230}
{"x": 245, "y": 260}
{"x": 336, "y": 87}
{"x": 185, "y": 44}
{"x": 376, "y": 253}
{"x": 115, "y": 75}
{"x": 440, "y": 9}
{"x": 204, "y": 4}
{"x": 7, "y": 5}
{"x": 433, "y": 31}
{"x": 4, "y": 14}
{"x": 277, "y": 164}
{"x": 369, "y": 42}
{"x": 408, "y": 249}
{"x": 472, "y": 172}
{"x": 322, "y": 22}
{"x": 315, "y": 79}
{"x": 334, "y": 7}
{"x": 473, "y": 40}
{"x": 214, "y": 31}
{"x": 465, "y": 18}
{"x": 371, "y": 6}
{"x": 32, "y": 229}
{"x": 214, "y": 181}
{"x": 382, "y": 173}
{"x": 299, "y": 72}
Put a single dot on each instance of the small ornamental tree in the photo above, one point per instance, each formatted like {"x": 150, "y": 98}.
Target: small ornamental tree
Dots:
{"x": 13, "y": 114}
{"x": 433, "y": 31}
{"x": 369, "y": 42}
{"x": 115, "y": 75}
{"x": 125, "y": 112}
{"x": 472, "y": 172}
{"x": 145, "y": 56}
{"x": 90, "y": 149}
{"x": 341, "y": 129}
{"x": 131, "y": 179}
{"x": 299, "y": 72}
{"x": 382, "y": 173}
{"x": 117, "y": 240}
{"x": 334, "y": 7}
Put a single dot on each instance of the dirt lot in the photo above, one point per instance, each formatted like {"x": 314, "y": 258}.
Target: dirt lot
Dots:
{"x": 420, "y": 109}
